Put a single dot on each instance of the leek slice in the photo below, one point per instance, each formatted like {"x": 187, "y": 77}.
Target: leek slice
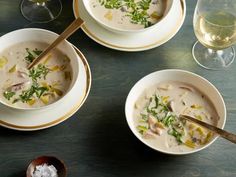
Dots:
{"x": 3, "y": 61}
{"x": 12, "y": 69}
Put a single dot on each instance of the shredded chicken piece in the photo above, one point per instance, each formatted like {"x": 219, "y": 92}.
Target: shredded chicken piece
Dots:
{"x": 18, "y": 86}
{"x": 149, "y": 135}
{"x": 154, "y": 127}
{"x": 170, "y": 106}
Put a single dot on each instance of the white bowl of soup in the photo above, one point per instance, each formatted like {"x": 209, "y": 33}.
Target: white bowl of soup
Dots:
{"x": 46, "y": 84}
{"x": 129, "y": 17}
{"x": 154, "y": 103}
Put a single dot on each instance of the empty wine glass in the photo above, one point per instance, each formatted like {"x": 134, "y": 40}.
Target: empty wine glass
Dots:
{"x": 215, "y": 27}
{"x": 41, "y": 11}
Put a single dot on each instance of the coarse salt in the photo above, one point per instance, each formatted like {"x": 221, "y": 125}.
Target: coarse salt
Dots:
{"x": 45, "y": 170}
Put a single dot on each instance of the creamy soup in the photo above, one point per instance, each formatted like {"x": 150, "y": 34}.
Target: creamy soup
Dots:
{"x": 156, "y": 116}
{"x": 39, "y": 86}
{"x": 137, "y": 14}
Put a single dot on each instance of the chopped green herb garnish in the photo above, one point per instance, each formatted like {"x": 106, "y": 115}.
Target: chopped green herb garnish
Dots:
{"x": 32, "y": 54}
{"x": 144, "y": 117}
{"x": 157, "y": 109}
{"x": 176, "y": 134}
{"x": 137, "y": 11}
{"x": 8, "y": 94}
{"x": 142, "y": 129}
{"x": 152, "y": 112}
{"x": 140, "y": 17}
{"x": 27, "y": 95}
{"x": 111, "y": 4}
{"x": 168, "y": 120}
{"x": 144, "y": 4}
{"x": 40, "y": 91}
{"x": 38, "y": 72}
{"x": 30, "y": 57}
{"x": 15, "y": 100}
{"x": 35, "y": 90}
{"x": 157, "y": 101}
{"x": 37, "y": 52}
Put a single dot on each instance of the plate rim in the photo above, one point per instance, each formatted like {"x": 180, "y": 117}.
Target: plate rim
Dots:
{"x": 66, "y": 115}
{"x": 131, "y": 49}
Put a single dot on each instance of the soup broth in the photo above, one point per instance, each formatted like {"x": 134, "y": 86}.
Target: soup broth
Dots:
{"x": 42, "y": 85}
{"x": 156, "y": 116}
{"x": 137, "y": 14}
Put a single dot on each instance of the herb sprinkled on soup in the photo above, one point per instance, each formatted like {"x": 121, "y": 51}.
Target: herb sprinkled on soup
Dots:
{"x": 129, "y": 14}
{"x": 156, "y": 116}
{"x": 42, "y": 85}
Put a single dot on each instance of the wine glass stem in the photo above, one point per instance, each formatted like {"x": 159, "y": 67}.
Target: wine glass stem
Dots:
{"x": 217, "y": 55}
{"x": 41, "y": 11}
{"x": 40, "y": 3}
{"x": 212, "y": 59}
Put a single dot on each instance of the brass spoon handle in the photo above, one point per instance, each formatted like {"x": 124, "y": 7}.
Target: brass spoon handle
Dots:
{"x": 229, "y": 136}
{"x": 76, "y": 24}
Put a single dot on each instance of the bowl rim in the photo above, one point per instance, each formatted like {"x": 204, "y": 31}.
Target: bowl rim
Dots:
{"x": 128, "y": 31}
{"x": 128, "y": 119}
{"x": 67, "y": 92}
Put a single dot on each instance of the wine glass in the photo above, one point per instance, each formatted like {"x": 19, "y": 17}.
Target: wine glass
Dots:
{"x": 215, "y": 28}
{"x": 41, "y": 11}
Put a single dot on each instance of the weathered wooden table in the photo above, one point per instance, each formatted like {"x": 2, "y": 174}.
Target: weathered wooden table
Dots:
{"x": 96, "y": 141}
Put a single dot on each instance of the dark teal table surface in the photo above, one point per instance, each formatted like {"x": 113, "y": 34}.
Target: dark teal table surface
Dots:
{"x": 96, "y": 141}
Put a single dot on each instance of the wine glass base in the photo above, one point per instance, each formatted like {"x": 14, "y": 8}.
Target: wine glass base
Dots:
{"x": 41, "y": 12}
{"x": 211, "y": 59}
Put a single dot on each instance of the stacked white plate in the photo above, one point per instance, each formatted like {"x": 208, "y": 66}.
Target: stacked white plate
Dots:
{"x": 48, "y": 117}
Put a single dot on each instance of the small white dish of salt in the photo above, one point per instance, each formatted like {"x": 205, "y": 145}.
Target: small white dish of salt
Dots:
{"x": 46, "y": 166}
{"x": 45, "y": 170}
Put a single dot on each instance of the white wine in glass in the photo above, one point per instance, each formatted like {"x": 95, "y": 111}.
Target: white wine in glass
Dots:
{"x": 41, "y": 11}
{"x": 215, "y": 27}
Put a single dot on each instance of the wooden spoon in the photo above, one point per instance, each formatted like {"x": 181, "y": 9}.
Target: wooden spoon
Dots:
{"x": 76, "y": 24}
{"x": 229, "y": 136}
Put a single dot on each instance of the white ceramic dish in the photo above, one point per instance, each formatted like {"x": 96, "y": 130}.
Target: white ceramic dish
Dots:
{"x": 44, "y": 36}
{"x": 167, "y": 14}
{"x": 197, "y": 81}
{"x": 135, "y": 42}
{"x": 45, "y": 118}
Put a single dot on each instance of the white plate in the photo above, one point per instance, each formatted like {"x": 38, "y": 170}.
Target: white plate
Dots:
{"x": 41, "y": 119}
{"x": 135, "y": 42}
